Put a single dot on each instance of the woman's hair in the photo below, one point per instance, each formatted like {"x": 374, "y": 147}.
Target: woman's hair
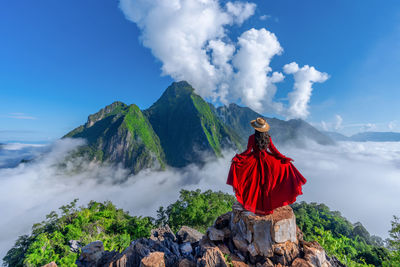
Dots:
{"x": 261, "y": 139}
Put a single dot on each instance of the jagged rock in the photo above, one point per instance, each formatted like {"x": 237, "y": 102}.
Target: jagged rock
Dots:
{"x": 240, "y": 243}
{"x": 223, "y": 221}
{"x": 51, "y": 264}
{"x": 74, "y": 245}
{"x": 91, "y": 254}
{"x": 335, "y": 262}
{"x": 262, "y": 232}
{"x": 186, "y": 248}
{"x": 187, "y": 234}
{"x": 315, "y": 254}
{"x": 285, "y": 253}
{"x": 239, "y": 238}
{"x": 186, "y": 263}
{"x": 239, "y": 263}
{"x": 154, "y": 259}
{"x": 299, "y": 262}
{"x": 285, "y": 229}
{"x": 214, "y": 234}
{"x": 212, "y": 256}
{"x": 162, "y": 233}
{"x": 267, "y": 263}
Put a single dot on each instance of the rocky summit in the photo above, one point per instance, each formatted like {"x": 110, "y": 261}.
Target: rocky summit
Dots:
{"x": 238, "y": 238}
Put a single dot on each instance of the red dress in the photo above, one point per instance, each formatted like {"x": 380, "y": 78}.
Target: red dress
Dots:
{"x": 262, "y": 181}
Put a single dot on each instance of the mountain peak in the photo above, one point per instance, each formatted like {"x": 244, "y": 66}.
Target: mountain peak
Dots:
{"x": 111, "y": 109}
{"x": 177, "y": 89}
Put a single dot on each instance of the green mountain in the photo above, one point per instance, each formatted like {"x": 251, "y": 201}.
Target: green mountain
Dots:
{"x": 120, "y": 134}
{"x": 295, "y": 130}
{"x": 187, "y": 127}
{"x": 180, "y": 128}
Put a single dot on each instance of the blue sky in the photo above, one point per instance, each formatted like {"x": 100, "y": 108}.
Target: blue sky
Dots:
{"x": 63, "y": 60}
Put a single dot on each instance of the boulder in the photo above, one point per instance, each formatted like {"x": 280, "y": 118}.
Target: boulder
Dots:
{"x": 186, "y": 248}
{"x": 162, "y": 233}
{"x": 91, "y": 254}
{"x": 214, "y": 234}
{"x": 186, "y": 263}
{"x": 259, "y": 234}
{"x": 212, "y": 257}
{"x": 51, "y": 264}
{"x": 315, "y": 254}
{"x": 238, "y": 238}
{"x": 187, "y": 234}
{"x": 154, "y": 259}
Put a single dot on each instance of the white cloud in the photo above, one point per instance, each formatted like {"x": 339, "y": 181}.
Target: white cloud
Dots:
{"x": 368, "y": 127}
{"x": 30, "y": 191}
{"x": 251, "y": 81}
{"x": 338, "y": 122}
{"x": 304, "y": 78}
{"x": 240, "y": 11}
{"x": 20, "y": 116}
{"x": 190, "y": 39}
{"x": 179, "y": 34}
{"x": 392, "y": 125}
{"x": 264, "y": 17}
{"x": 324, "y": 126}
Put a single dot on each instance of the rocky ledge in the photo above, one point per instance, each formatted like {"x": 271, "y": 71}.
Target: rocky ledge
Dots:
{"x": 238, "y": 238}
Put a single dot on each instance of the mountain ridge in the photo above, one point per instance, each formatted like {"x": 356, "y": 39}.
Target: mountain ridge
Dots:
{"x": 366, "y": 136}
{"x": 178, "y": 129}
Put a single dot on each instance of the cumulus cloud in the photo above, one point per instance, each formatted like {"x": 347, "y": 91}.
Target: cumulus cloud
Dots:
{"x": 338, "y": 122}
{"x": 304, "y": 78}
{"x": 30, "y": 191}
{"x": 368, "y": 127}
{"x": 240, "y": 11}
{"x": 190, "y": 38}
{"x": 251, "y": 82}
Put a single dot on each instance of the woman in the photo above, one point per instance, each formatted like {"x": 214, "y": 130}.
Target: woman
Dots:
{"x": 264, "y": 180}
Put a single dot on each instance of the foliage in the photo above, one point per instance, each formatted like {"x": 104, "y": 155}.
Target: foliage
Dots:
{"x": 49, "y": 240}
{"x": 394, "y": 243}
{"x": 352, "y": 244}
{"x": 195, "y": 209}
{"x": 119, "y": 124}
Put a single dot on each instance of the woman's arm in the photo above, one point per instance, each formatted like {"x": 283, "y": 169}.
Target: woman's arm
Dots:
{"x": 275, "y": 152}
{"x": 250, "y": 143}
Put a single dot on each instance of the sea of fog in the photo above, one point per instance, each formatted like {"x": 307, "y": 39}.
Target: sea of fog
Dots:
{"x": 361, "y": 180}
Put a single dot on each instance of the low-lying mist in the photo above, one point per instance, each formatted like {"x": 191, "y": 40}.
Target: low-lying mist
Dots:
{"x": 361, "y": 180}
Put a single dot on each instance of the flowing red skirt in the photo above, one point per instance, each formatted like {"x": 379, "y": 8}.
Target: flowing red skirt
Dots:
{"x": 262, "y": 183}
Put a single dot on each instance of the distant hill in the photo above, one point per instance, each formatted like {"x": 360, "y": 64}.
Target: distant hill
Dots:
{"x": 376, "y": 137}
{"x": 180, "y": 128}
{"x": 281, "y": 131}
{"x": 366, "y": 136}
{"x": 337, "y": 136}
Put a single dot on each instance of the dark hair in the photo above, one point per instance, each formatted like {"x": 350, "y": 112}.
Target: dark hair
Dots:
{"x": 261, "y": 139}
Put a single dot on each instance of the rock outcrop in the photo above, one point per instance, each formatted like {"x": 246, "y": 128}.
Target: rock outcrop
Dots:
{"x": 238, "y": 238}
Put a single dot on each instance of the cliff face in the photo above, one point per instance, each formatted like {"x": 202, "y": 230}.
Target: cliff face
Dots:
{"x": 237, "y": 238}
{"x": 120, "y": 134}
{"x": 187, "y": 127}
{"x": 295, "y": 130}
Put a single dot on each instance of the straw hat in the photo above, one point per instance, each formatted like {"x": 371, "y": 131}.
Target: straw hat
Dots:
{"x": 260, "y": 125}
